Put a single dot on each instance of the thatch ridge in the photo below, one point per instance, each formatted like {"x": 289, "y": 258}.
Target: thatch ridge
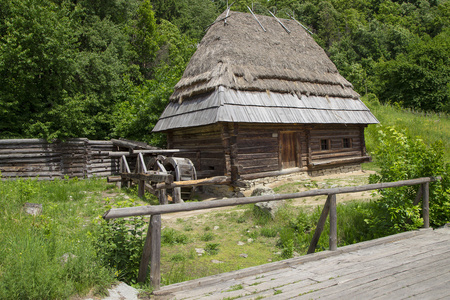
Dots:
{"x": 241, "y": 56}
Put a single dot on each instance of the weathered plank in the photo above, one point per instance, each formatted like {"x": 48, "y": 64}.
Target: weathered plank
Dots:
{"x": 415, "y": 265}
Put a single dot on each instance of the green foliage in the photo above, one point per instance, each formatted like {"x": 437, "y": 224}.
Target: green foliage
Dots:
{"x": 212, "y": 248}
{"x": 120, "y": 243}
{"x": 401, "y": 157}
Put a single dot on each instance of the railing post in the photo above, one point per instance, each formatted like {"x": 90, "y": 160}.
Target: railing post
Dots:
{"x": 155, "y": 261}
{"x": 426, "y": 204}
{"x": 333, "y": 223}
{"x": 320, "y": 225}
{"x": 152, "y": 253}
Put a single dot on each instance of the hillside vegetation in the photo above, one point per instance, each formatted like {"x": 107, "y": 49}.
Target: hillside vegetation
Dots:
{"x": 430, "y": 127}
{"x": 106, "y": 69}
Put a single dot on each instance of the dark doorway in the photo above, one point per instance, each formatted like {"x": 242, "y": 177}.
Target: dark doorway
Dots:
{"x": 288, "y": 149}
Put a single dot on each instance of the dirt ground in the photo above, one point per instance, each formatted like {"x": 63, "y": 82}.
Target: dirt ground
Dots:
{"x": 296, "y": 184}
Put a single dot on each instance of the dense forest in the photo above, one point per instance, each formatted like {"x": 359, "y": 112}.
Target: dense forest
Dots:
{"x": 104, "y": 69}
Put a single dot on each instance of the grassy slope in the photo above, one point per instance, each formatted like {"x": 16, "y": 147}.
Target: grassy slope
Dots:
{"x": 430, "y": 127}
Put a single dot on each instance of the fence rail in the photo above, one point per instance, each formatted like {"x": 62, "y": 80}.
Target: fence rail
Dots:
{"x": 152, "y": 246}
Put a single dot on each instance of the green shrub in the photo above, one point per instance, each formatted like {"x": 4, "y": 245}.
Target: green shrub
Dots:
{"x": 120, "y": 244}
{"x": 401, "y": 157}
{"x": 212, "y": 248}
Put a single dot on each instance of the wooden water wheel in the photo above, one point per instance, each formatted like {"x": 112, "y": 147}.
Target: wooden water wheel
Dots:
{"x": 182, "y": 169}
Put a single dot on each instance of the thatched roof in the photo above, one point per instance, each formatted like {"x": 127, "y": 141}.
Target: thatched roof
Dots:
{"x": 240, "y": 56}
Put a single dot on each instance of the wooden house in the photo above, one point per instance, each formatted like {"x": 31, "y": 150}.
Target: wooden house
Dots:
{"x": 261, "y": 98}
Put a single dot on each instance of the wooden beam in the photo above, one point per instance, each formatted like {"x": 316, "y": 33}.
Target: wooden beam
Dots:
{"x": 164, "y": 209}
{"x": 188, "y": 183}
{"x": 155, "y": 256}
{"x": 167, "y": 178}
{"x": 333, "y": 223}
{"x": 426, "y": 204}
{"x": 320, "y": 226}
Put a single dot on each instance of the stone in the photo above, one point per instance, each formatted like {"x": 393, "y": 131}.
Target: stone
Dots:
{"x": 215, "y": 261}
{"x": 199, "y": 251}
{"x": 216, "y": 227}
{"x": 250, "y": 240}
{"x": 240, "y": 243}
{"x": 261, "y": 191}
{"x": 267, "y": 207}
{"x": 270, "y": 208}
{"x": 244, "y": 255}
{"x": 34, "y": 209}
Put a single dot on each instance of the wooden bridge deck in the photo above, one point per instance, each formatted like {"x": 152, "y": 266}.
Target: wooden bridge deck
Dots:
{"x": 408, "y": 265}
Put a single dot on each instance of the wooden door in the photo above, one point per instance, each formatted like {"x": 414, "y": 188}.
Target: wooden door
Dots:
{"x": 288, "y": 149}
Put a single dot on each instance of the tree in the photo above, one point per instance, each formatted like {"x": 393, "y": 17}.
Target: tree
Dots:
{"x": 419, "y": 78}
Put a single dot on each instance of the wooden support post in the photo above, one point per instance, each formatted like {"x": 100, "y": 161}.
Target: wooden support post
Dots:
{"x": 320, "y": 226}
{"x": 418, "y": 195}
{"x": 141, "y": 189}
{"x": 308, "y": 147}
{"x": 155, "y": 260}
{"x": 152, "y": 253}
{"x": 426, "y": 204}
{"x": 333, "y": 223}
{"x": 162, "y": 197}
{"x": 362, "y": 140}
{"x": 145, "y": 258}
{"x": 176, "y": 195}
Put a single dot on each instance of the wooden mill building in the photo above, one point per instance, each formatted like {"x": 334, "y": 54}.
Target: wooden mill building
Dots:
{"x": 260, "y": 98}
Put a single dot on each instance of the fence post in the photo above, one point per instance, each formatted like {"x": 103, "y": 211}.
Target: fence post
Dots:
{"x": 426, "y": 204}
{"x": 155, "y": 260}
{"x": 320, "y": 225}
{"x": 152, "y": 253}
{"x": 333, "y": 223}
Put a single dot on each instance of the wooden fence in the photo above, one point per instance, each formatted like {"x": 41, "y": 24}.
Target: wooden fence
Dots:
{"x": 25, "y": 158}
{"x": 152, "y": 245}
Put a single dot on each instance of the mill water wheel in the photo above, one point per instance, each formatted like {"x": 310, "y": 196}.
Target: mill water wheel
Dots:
{"x": 182, "y": 169}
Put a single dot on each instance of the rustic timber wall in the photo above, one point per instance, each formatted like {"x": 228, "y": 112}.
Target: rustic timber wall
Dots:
{"x": 207, "y": 145}
{"x": 258, "y": 150}
{"x": 74, "y": 158}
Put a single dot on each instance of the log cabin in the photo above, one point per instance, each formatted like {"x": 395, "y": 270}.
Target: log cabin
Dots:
{"x": 261, "y": 98}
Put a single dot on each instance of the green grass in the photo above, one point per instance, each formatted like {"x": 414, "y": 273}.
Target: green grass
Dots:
{"x": 430, "y": 127}
{"x": 32, "y": 249}
{"x": 32, "y": 264}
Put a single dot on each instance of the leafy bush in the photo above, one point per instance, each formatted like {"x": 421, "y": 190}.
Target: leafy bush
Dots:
{"x": 401, "y": 157}
{"x": 120, "y": 244}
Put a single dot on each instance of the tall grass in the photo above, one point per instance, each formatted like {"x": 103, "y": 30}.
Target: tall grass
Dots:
{"x": 430, "y": 127}
{"x": 49, "y": 256}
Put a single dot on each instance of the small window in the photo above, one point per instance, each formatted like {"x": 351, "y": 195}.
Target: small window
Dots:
{"x": 346, "y": 143}
{"x": 324, "y": 144}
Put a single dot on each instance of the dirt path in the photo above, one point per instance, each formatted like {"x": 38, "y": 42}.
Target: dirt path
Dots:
{"x": 296, "y": 184}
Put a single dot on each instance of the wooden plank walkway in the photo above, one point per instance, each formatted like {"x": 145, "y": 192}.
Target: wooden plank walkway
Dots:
{"x": 409, "y": 265}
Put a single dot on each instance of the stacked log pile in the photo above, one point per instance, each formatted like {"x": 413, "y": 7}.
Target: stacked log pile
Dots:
{"x": 83, "y": 158}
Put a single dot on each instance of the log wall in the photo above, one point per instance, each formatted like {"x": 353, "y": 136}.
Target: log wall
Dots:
{"x": 81, "y": 158}
{"x": 257, "y": 148}
{"x": 207, "y": 148}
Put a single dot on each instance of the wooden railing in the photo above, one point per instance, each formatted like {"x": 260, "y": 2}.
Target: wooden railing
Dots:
{"x": 152, "y": 245}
